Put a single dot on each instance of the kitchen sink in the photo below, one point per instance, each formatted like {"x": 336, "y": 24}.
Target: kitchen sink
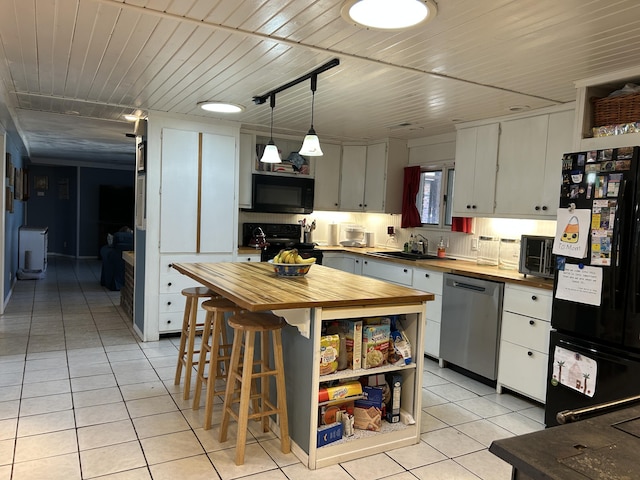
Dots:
{"x": 410, "y": 256}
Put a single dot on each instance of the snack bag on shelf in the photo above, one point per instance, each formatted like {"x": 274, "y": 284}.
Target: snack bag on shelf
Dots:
{"x": 329, "y": 351}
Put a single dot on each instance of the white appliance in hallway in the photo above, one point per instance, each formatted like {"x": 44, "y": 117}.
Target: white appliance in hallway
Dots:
{"x": 32, "y": 253}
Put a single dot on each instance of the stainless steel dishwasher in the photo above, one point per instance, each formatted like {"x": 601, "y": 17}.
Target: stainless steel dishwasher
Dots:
{"x": 470, "y": 328}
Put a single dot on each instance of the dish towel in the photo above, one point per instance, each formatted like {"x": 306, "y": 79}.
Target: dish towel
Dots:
{"x": 462, "y": 224}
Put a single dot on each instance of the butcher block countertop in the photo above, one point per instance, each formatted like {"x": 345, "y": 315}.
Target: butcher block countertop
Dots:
{"x": 256, "y": 287}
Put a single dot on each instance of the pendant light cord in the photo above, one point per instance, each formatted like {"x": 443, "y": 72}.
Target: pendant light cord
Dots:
{"x": 314, "y": 80}
{"x": 272, "y": 103}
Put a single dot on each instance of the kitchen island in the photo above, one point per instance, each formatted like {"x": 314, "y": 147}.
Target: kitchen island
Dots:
{"x": 326, "y": 294}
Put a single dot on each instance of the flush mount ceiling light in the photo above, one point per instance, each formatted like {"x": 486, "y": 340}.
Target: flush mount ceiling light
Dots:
{"x": 311, "y": 143}
{"x": 389, "y": 14}
{"x": 220, "y": 107}
{"x": 271, "y": 154}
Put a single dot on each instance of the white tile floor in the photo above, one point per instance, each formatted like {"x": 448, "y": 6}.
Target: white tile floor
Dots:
{"x": 81, "y": 398}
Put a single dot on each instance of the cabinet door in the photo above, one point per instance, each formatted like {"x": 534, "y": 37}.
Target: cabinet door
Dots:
{"x": 218, "y": 193}
{"x": 559, "y": 142}
{"x": 476, "y": 161}
{"x": 521, "y": 161}
{"x": 375, "y": 178}
{"x": 327, "y": 174}
{"x": 247, "y": 156}
{"x": 179, "y": 191}
{"x": 352, "y": 178}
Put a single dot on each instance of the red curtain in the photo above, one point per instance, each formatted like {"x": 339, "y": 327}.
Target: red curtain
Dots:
{"x": 411, "y": 185}
{"x": 462, "y": 224}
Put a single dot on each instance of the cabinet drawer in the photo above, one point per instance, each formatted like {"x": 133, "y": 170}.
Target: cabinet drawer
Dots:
{"x": 170, "y": 322}
{"x": 388, "y": 271}
{"x": 434, "y": 309}
{"x": 428, "y": 281}
{"x": 533, "y": 302}
{"x": 523, "y": 370}
{"x": 527, "y": 332}
{"x": 432, "y": 338}
{"x": 175, "y": 283}
{"x": 248, "y": 258}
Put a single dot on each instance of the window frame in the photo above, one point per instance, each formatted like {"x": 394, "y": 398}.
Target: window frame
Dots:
{"x": 446, "y": 194}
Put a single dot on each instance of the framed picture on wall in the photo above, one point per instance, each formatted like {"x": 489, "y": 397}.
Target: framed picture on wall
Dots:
{"x": 25, "y": 185}
{"x": 8, "y": 199}
{"x": 11, "y": 173}
{"x": 41, "y": 182}
{"x": 17, "y": 190}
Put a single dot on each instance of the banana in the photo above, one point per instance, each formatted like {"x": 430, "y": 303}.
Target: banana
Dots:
{"x": 278, "y": 257}
{"x": 299, "y": 259}
{"x": 284, "y": 257}
{"x": 308, "y": 260}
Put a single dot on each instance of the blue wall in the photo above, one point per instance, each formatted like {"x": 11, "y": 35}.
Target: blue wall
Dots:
{"x": 13, "y": 221}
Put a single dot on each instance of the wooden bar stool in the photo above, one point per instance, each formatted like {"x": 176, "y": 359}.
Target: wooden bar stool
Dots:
{"x": 245, "y": 326}
{"x": 219, "y": 350}
{"x": 190, "y": 328}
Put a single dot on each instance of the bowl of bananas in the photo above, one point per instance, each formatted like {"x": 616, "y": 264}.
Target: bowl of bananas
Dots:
{"x": 289, "y": 263}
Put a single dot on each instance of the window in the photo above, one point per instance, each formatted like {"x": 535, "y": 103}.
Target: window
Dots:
{"x": 435, "y": 197}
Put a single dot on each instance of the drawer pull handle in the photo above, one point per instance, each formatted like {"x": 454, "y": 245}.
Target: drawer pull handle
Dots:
{"x": 170, "y": 265}
{"x": 366, "y": 263}
{"x": 426, "y": 275}
{"x": 404, "y": 270}
{"x": 168, "y": 303}
{"x": 530, "y": 353}
{"x": 169, "y": 284}
{"x": 534, "y": 298}
{"x": 531, "y": 322}
{"x": 168, "y": 322}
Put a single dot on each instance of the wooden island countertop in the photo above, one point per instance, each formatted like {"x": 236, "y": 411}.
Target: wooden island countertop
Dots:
{"x": 256, "y": 287}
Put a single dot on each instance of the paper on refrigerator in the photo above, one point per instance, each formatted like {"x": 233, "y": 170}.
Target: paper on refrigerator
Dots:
{"x": 572, "y": 232}
{"x": 575, "y": 371}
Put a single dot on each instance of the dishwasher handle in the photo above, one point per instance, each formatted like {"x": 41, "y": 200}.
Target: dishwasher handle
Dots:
{"x": 468, "y": 286}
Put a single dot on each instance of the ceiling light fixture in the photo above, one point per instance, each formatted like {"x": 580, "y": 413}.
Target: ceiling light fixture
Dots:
{"x": 130, "y": 117}
{"x": 220, "y": 107}
{"x": 271, "y": 154}
{"x": 389, "y": 15}
{"x": 311, "y": 143}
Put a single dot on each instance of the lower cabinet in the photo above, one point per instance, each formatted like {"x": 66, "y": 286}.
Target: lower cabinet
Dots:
{"x": 430, "y": 281}
{"x": 248, "y": 258}
{"x": 171, "y": 302}
{"x": 342, "y": 261}
{"x": 524, "y": 341}
{"x": 388, "y": 271}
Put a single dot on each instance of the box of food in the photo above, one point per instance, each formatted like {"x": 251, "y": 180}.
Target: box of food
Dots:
{"x": 329, "y": 433}
{"x": 329, "y": 350}
{"x": 353, "y": 334}
{"x": 375, "y": 345}
{"x": 393, "y": 406}
{"x": 367, "y": 418}
{"x": 373, "y": 395}
{"x": 340, "y": 393}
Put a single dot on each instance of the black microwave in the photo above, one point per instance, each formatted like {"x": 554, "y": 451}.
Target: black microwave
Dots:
{"x": 282, "y": 194}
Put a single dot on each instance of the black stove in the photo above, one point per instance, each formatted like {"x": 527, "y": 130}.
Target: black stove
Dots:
{"x": 277, "y": 237}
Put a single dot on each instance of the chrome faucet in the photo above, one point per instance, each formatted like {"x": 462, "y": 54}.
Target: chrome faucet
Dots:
{"x": 424, "y": 248}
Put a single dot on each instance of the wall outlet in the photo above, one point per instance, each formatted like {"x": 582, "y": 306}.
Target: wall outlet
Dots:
{"x": 391, "y": 230}
{"x": 474, "y": 244}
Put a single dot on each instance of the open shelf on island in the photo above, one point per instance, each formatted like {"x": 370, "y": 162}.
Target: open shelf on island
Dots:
{"x": 362, "y": 372}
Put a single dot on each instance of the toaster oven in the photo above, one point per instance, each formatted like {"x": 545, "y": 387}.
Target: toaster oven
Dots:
{"x": 535, "y": 256}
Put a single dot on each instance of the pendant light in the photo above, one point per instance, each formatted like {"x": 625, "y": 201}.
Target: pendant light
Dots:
{"x": 271, "y": 154}
{"x": 311, "y": 144}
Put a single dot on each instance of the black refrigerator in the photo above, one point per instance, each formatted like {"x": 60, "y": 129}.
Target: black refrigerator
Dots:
{"x": 594, "y": 353}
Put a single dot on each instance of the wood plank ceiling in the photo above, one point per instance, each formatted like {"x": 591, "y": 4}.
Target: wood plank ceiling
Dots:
{"x": 70, "y": 69}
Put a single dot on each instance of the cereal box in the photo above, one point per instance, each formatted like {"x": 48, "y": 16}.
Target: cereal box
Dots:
{"x": 329, "y": 349}
{"x": 353, "y": 335}
{"x": 375, "y": 345}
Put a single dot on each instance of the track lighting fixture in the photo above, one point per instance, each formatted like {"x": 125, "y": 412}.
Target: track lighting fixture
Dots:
{"x": 311, "y": 143}
{"x": 271, "y": 154}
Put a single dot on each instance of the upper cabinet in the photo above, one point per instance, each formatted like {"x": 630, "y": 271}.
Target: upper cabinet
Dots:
{"x": 198, "y": 196}
{"x": 529, "y": 164}
{"x": 476, "y": 161}
{"x": 371, "y": 177}
{"x": 327, "y": 174}
{"x": 595, "y": 88}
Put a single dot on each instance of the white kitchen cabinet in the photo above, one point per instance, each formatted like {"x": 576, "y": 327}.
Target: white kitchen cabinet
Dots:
{"x": 600, "y": 87}
{"x": 198, "y": 192}
{"x": 475, "y": 167}
{"x": 432, "y": 282}
{"x": 371, "y": 177}
{"x": 191, "y": 201}
{"x": 248, "y": 257}
{"x": 247, "y": 157}
{"x": 327, "y": 175}
{"x": 529, "y": 164}
{"x": 524, "y": 340}
{"x": 345, "y": 262}
{"x": 388, "y": 271}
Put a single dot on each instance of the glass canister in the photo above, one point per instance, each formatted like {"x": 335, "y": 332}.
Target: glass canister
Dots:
{"x": 509, "y": 253}
{"x": 488, "y": 250}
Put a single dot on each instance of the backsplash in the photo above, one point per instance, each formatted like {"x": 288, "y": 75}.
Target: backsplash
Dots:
{"x": 459, "y": 244}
